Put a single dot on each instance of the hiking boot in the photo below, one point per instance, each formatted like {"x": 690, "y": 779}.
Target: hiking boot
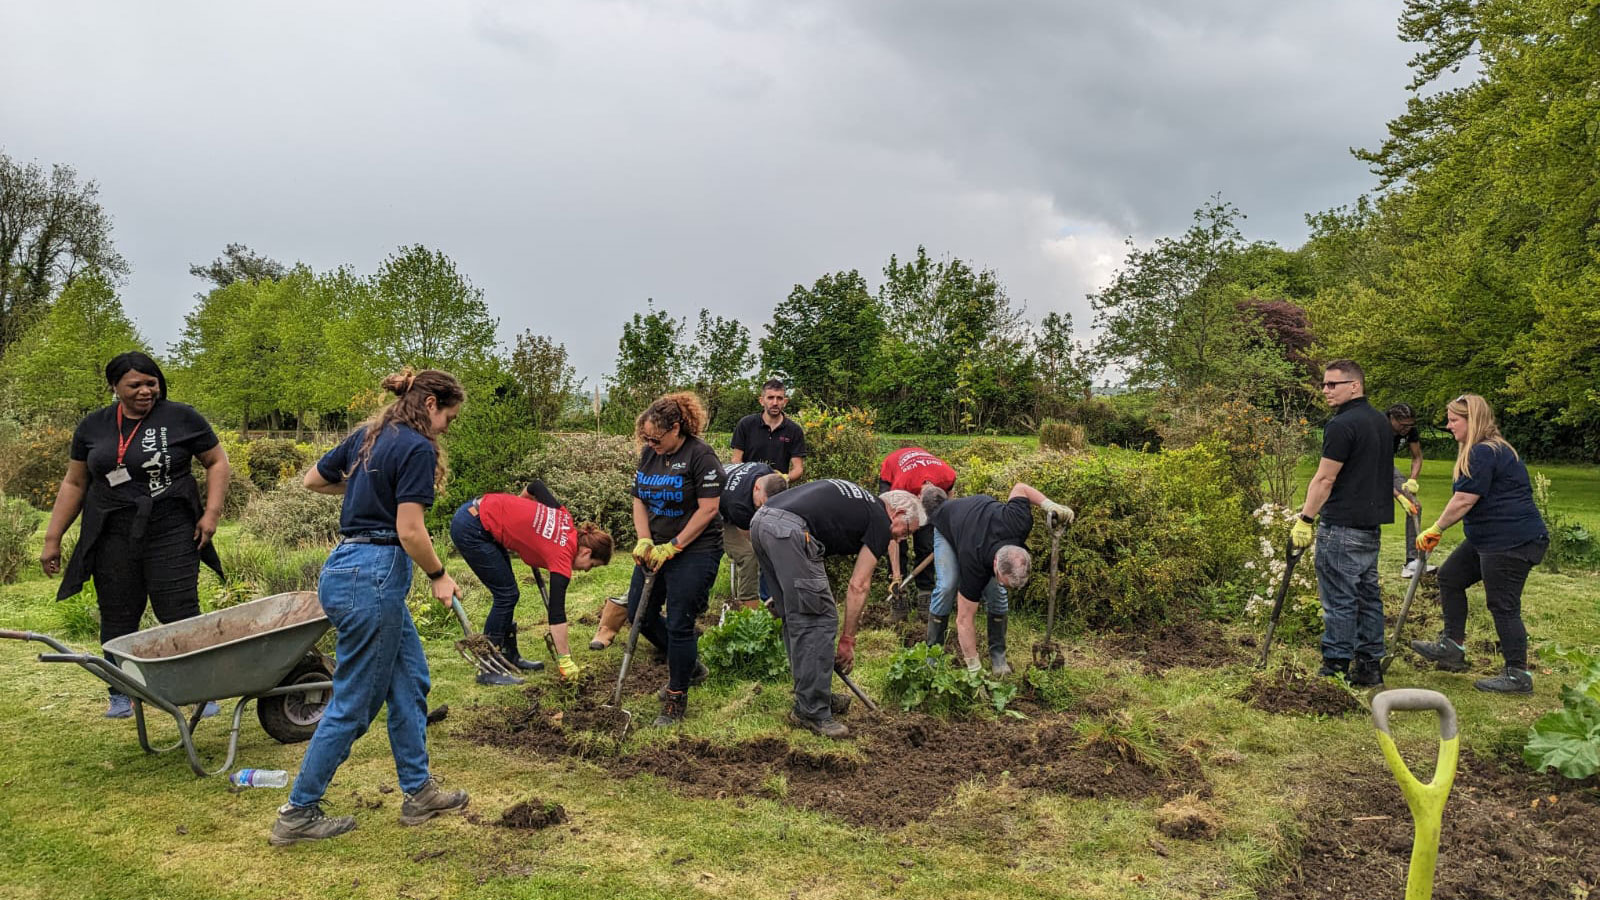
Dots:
{"x": 701, "y": 673}
{"x": 514, "y": 653}
{"x": 937, "y": 626}
{"x": 1512, "y": 681}
{"x": 121, "y": 706}
{"x": 307, "y": 823}
{"x": 1444, "y": 653}
{"x": 997, "y": 647}
{"x": 1332, "y": 668}
{"x": 838, "y": 704}
{"x": 674, "y": 706}
{"x": 429, "y": 802}
{"x": 1366, "y": 673}
{"x": 828, "y": 728}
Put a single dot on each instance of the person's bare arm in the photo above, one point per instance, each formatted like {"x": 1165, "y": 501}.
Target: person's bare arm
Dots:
{"x": 1416, "y": 460}
{"x": 418, "y": 545}
{"x": 1320, "y": 487}
{"x": 218, "y": 471}
{"x": 314, "y": 482}
{"x": 1029, "y": 491}
{"x": 641, "y": 520}
{"x": 797, "y": 468}
{"x": 738, "y": 455}
{"x": 1460, "y": 504}
{"x": 855, "y": 599}
{"x": 69, "y": 502}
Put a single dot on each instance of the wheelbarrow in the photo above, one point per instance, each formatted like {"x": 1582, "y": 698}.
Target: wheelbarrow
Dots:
{"x": 262, "y": 650}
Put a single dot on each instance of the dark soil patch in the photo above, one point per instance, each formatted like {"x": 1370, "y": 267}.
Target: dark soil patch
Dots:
{"x": 1507, "y": 833}
{"x": 533, "y": 813}
{"x": 1292, "y": 691}
{"x": 1193, "y": 643}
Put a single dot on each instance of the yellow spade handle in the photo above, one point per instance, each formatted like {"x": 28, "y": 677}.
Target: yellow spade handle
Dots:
{"x": 1426, "y": 801}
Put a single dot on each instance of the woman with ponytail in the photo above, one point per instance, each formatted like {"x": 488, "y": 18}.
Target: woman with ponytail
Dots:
{"x": 387, "y": 470}
{"x": 537, "y": 527}
{"x": 677, "y": 492}
{"x": 1505, "y": 539}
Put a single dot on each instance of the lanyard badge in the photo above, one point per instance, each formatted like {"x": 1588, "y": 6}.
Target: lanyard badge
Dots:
{"x": 119, "y": 475}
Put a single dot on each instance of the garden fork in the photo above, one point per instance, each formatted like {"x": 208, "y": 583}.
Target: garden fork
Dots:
{"x": 477, "y": 649}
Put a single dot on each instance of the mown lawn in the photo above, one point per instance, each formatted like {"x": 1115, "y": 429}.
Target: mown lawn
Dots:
{"x": 85, "y": 814}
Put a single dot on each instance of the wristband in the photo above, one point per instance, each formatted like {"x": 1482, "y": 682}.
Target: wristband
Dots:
{"x": 1309, "y": 520}
{"x": 435, "y": 576}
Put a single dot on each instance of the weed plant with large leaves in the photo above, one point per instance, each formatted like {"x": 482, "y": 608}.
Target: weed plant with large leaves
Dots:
{"x": 748, "y": 645}
{"x": 1568, "y": 740}
{"x": 921, "y": 677}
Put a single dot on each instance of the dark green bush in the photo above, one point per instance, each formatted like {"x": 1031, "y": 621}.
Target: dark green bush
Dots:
{"x": 840, "y": 444}
{"x": 241, "y": 490}
{"x": 33, "y": 460}
{"x": 271, "y": 460}
{"x": 486, "y": 446}
{"x": 591, "y": 474}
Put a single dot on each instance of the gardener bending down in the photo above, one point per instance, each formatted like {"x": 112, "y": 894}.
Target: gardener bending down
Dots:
{"x": 792, "y": 534}
{"x": 909, "y": 469}
{"x": 1403, "y": 422}
{"x": 978, "y": 553}
{"x": 748, "y": 486}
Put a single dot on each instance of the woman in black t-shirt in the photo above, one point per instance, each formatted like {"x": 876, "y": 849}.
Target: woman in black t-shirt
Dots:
{"x": 676, "y": 493}
{"x": 144, "y": 533}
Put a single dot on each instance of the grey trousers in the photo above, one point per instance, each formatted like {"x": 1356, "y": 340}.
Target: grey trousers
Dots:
{"x": 801, "y": 597}
{"x": 746, "y": 571}
{"x": 1411, "y": 524}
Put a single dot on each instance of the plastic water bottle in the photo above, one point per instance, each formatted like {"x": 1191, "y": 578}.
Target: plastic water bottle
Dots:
{"x": 272, "y": 778}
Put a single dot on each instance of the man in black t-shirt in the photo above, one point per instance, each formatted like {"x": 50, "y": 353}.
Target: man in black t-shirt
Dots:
{"x": 1352, "y": 491}
{"x": 746, "y": 490}
{"x": 771, "y": 437}
{"x": 1404, "y": 424}
{"x": 978, "y": 554}
{"x": 792, "y": 534}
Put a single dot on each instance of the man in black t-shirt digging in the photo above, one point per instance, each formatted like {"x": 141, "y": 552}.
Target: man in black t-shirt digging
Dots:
{"x": 1403, "y": 422}
{"x": 792, "y": 534}
{"x": 746, "y": 490}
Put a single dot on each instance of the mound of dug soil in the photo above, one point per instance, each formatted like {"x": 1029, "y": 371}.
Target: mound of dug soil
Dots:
{"x": 1193, "y": 643}
{"x": 1293, "y": 691}
{"x": 533, "y": 813}
{"x": 1507, "y": 833}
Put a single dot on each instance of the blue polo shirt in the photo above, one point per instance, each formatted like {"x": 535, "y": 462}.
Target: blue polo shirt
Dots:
{"x": 400, "y": 470}
{"x": 1504, "y": 516}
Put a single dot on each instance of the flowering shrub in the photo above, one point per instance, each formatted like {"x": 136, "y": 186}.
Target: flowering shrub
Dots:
{"x": 840, "y": 444}
{"x": 1302, "y": 612}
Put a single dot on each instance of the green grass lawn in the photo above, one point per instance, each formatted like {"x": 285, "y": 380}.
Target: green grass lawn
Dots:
{"x": 85, "y": 814}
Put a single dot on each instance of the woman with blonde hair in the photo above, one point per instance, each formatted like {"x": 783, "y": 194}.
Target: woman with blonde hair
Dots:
{"x": 1505, "y": 539}
{"x": 677, "y": 494}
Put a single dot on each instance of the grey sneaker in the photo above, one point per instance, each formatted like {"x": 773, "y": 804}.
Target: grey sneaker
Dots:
{"x": 1511, "y": 681}
{"x": 429, "y": 802}
{"x": 1444, "y": 653}
{"x": 121, "y": 707}
{"x": 828, "y": 728}
{"x": 307, "y": 823}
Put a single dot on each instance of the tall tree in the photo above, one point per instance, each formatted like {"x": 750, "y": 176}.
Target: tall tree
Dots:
{"x": 650, "y": 361}
{"x": 1065, "y": 368}
{"x": 52, "y": 230}
{"x": 823, "y": 338}
{"x": 545, "y": 380}
{"x": 238, "y": 263}
{"x": 719, "y": 361}
{"x": 57, "y": 367}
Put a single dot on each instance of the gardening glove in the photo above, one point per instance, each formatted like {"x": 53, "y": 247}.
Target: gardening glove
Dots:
{"x": 1410, "y": 486}
{"x": 1405, "y": 502}
{"x": 1428, "y": 541}
{"x": 641, "y": 551}
{"x": 1061, "y": 511}
{"x": 566, "y": 667}
{"x": 845, "y": 658}
{"x": 1300, "y": 535}
{"x": 973, "y": 665}
{"x": 659, "y": 554}
{"x": 894, "y": 585}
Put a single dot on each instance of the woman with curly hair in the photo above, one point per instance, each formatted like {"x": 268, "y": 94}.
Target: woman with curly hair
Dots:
{"x": 677, "y": 492}
{"x": 387, "y": 471}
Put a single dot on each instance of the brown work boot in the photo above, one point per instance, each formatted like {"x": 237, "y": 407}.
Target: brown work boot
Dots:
{"x": 674, "y": 706}
{"x": 429, "y": 802}
{"x": 307, "y": 823}
{"x": 613, "y": 618}
{"x": 828, "y": 728}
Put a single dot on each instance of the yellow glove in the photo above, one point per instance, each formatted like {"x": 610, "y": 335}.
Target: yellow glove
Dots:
{"x": 1410, "y": 486}
{"x": 1428, "y": 541}
{"x": 1300, "y": 535}
{"x": 659, "y": 554}
{"x": 1410, "y": 508}
{"x": 641, "y": 551}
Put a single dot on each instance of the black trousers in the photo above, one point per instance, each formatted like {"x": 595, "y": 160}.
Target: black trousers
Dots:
{"x": 1503, "y": 574}
{"x": 161, "y": 569}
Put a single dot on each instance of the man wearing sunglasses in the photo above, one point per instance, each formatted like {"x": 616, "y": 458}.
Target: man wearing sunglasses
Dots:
{"x": 1352, "y": 491}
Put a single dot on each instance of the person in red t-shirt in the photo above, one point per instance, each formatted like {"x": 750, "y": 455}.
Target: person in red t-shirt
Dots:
{"x": 908, "y": 469}
{"x": 540, "y": 531}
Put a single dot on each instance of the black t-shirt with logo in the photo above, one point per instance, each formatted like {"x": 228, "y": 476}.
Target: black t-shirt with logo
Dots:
{"x": 672, "y": 487}
{"x": 978, "y": 526}
{"x": 739, "y": 493}
{"x": 839, "y": 514}
{"x": 773, "y": 446}
{"x": 1363, "y": 492}
{"x": 159, "y": 447}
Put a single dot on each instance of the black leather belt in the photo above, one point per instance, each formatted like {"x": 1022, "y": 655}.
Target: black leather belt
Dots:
{"x": 381, "y": 540}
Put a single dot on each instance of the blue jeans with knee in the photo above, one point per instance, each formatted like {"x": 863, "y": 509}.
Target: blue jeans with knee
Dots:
{"x": 491, "y": 563}
{"x": 683, "y": 586}
{"x": 946, "y": 576}
{"x": 1347, "y": 580}
{"x": 363, "y": 590}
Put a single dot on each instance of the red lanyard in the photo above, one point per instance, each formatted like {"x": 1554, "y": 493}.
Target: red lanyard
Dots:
{"x": 122, "y": 445}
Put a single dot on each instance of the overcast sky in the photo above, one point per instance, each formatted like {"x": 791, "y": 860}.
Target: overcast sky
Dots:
{"x": 575, "y": 158}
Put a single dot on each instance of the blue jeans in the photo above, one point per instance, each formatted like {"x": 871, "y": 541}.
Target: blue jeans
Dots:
{"x": 491, "y": 563}
{"x": 684, "y": 586}
{"x": 363, "y": 590}
{"x": 1347, "y": 580}
{"x": 946, "y": 575}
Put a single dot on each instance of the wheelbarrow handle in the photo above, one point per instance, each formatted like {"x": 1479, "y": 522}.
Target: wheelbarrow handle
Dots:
{"x": 35, "y": 636}
{"x": 1415, "y": 699}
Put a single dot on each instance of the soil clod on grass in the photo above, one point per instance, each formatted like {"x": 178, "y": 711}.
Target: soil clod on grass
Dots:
{"x": 1290, "y": 690}
{"x": 1188, "y": 817}
{"x": 534, "y": 814}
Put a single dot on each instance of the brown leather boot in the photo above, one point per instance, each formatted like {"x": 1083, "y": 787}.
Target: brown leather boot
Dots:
{"x": 613, "y": 618}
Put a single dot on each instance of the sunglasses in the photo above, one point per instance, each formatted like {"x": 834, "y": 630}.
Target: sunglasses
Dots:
{"x": 1329, "y": 384}
{"x": 656, "y": 441}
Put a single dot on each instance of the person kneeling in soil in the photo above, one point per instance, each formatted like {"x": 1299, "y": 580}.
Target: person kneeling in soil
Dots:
{"x": 978, "y": 554}
{"x": 748, "y": 487}
{"x": 535, "y": 525}
{"x": 912, "y": 469}
{"x": 1506, "y": 538}
{"x": 792, "y": 534}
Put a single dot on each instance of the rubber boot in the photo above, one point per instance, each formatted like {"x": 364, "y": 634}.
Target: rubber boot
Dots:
{"x": 613, "y": 618}
{"x": 514, "y": 653}
{"x": 997, "y": 647}
{"x": 937, "y": 626}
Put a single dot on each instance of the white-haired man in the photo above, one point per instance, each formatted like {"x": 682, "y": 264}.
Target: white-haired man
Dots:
{"x": 978, "y": 555}
{"x": 792, "y": 534}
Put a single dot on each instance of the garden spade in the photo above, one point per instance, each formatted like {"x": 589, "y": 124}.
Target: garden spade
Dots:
{"x": 1047, "y": 654}
{"x": 1426, "y": 801}
{"x": 623, "y": 717}
{"x": 1291, "y": 556}
{"x": 855, "y": 689}
{"x": 549, "y": 639}
{"x": 1405, "y": 608}
{"x": 899, "y": 603}
{"x": 476, "y": 649}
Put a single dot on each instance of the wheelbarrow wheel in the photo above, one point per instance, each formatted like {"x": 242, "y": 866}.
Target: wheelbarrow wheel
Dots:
{"x": 293, "y": 718}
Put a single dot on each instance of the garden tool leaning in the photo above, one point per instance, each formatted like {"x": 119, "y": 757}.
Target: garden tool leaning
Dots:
{"x": 899, "y": 602}
{"x": 1405, "y": 608}
{"x": 625, "y": 718}
{"x": 476, "y": 649}
{"x": 855, "y": 689}
{"x": 1426, "y": 801}
{"x": 1291, "y": 556}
